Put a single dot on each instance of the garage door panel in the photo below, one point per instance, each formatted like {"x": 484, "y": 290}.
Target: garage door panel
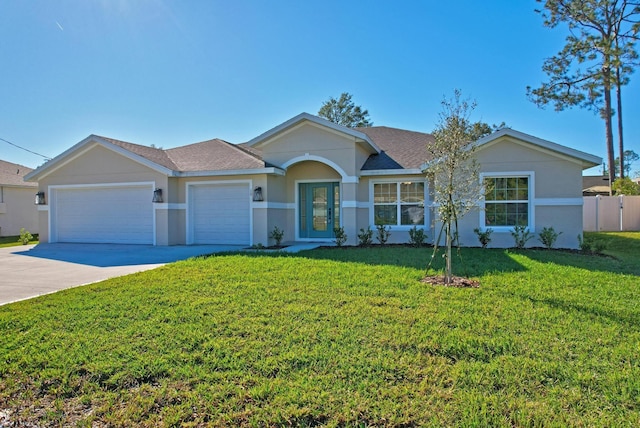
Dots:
{"x": 104, "y": 215}
{"x": 220, "y": 214}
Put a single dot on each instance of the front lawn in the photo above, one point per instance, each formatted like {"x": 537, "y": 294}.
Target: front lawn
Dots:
{"x": 335, "y": 337}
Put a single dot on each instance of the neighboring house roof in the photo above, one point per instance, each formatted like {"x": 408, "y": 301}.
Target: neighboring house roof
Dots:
{"x": 12, "y": 175}
{"x": 586, "y": 159}
{"x": 400, "y": 149}
{"x": 593, "y": 185}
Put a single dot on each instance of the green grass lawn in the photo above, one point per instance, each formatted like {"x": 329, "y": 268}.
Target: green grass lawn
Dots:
{"x": 12, "y": 241}
{"x": 335, "y": 337}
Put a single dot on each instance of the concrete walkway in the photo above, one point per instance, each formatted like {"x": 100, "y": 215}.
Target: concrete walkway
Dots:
{"x": 32, "y": 270}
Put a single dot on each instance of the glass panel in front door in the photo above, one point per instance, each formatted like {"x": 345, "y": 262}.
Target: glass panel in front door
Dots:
{"x": 321, "y": 209}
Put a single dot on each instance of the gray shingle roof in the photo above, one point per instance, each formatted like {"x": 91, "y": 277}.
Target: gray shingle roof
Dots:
{"x": 153, "y": 154}
{"x": 401, "y": 149}
{"x": 12, "y": 174}
{"x": 213, "y": 155}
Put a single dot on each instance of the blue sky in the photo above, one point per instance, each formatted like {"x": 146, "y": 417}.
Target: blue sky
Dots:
{"x": 172, "y": 73}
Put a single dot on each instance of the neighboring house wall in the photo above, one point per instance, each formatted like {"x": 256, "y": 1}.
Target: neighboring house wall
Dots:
{"x": 611, "y": 213}
{"x": 17, "y": 210}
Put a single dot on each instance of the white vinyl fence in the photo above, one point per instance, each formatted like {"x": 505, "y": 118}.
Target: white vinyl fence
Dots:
{"x": 611, "y": 213}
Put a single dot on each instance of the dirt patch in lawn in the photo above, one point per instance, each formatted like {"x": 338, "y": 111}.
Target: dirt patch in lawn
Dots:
{"x": 456, "y": 281}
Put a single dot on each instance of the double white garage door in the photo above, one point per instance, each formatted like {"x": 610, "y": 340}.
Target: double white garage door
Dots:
{"x": 217, "y": 214}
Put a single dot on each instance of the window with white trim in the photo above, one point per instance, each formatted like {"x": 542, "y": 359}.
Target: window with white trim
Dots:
{"x": 506, "y": 201}
{"x": 398, "y": 204}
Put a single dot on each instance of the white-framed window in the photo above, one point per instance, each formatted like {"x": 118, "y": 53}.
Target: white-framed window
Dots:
{"x": 507, "y": 200}
{"x": 399, "y": 203}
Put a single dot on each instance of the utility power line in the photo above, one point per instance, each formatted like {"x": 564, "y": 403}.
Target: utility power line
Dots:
{"x": 26, "y": 150}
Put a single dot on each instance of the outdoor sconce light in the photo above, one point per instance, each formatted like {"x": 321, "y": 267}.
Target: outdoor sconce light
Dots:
{"x": 257, "y": 194}
{"x": 157, "y": 196}
{"x": 40, "y": 199}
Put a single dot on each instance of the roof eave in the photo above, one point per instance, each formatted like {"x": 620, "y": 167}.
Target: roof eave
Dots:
{"x": 382, "y": 172}
{"x": 218, "y": 173}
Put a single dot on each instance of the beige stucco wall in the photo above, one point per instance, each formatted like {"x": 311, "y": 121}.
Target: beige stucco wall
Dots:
{"x": 17, "y": 210}
{"x": 308, "y": 139}
{"x": 101, "y": 165}
{"x": 555, "y": 176}
{"x": 557, "y": 193}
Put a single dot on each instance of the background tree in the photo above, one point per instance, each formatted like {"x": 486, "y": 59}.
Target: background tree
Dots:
{"x": 599, "y": 53}
{"x": 625, "y": 186}
{"x": 454, "y": 172}
{"x": 629, "y": 157}
{"x": 344, "y": 112}
{"x": 482, "y": 129}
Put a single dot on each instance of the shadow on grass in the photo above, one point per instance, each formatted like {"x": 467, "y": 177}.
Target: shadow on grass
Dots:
{"x": 474, "y": 262}
{"x": 617, "y": 316}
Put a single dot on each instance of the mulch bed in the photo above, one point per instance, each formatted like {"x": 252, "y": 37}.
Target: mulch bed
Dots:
{"x": 457, "y": 281}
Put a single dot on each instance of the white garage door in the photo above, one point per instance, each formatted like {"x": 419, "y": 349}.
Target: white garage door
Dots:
{"x": 219, "y": 214}
{"x": 118, "y": 215}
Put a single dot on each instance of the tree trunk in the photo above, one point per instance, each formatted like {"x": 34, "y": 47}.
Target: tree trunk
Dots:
{"x": 620, "y": 136}
{"x": 448, "y": 275}
{"x": 608, "y": 125}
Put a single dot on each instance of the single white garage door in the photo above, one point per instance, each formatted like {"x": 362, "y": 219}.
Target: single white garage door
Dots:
{"x": 116, "y": 215}
{"x": 219, "y": 214}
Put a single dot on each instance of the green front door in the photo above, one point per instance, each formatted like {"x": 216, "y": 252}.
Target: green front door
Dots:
{"x": 319, "y": 209}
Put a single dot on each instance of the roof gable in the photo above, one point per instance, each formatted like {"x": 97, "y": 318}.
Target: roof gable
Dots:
{"x": 305, "y": 118}
{"x": 585, "y": 159}
{"x": 148, "y": 156}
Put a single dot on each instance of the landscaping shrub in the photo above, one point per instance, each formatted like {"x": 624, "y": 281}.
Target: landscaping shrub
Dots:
{"x": 365, "y": 237}
{"x": 383, "y": 233}
{"x": 548, "y": 237}
{"x": 340, "y": 236}
{"x": 484, "y": 236}
{"x": 521, "y": 235}
{"x": 25, "y": 236}
{"x": 417, "y": 236}
{"x": 277, "y": 234}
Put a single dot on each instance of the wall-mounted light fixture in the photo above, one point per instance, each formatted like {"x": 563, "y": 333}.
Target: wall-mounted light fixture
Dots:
{"x": 157, "y": 196}
{"x": 40, "y": 199}
{"x": 257, "y": 194}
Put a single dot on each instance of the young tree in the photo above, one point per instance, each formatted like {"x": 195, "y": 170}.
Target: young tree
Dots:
{"x": 599, "y": 52}
{"x": 344, "y": 112}
{"x": 453, "y": 171}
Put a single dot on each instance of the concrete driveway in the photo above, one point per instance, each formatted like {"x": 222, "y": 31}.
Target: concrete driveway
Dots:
{"x": 33, "y": 270}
